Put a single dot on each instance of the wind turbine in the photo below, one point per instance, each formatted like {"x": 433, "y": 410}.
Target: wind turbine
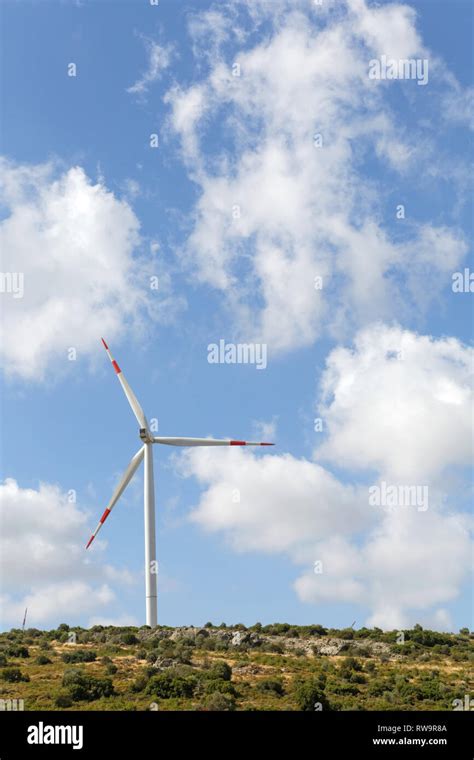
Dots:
{"x": 146, "y": 453}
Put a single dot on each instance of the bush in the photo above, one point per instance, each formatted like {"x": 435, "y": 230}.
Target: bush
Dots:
{"x": 221, "y": 670}
{"x": 345, "y": 689}
{"x": 43, "y": 660}
{"x": 63, "y": 699}
{"x": 274, "y": 647}
{"x": 218, "y": 684}
{"x": 347, "y": 634}
{"x": 183, "y": 653}
{"x": 82, "y": 686}
{"x": 139, "y": 684}
{"x": 141, "y": 654}
{"x": 168, "y": 685}
{"x": 3, "y": 660}
{"x": 317, "y": 630}
{"x": 14, "y": 675}
{"x": 79, "y": 655}
{"x": 272, "y": 686}
{"x": 16, "y": 650}
{"x": 129, "y": 638}
{"x": 350, "y": 663}
{"x": 111, "y": 669}
{"x": 220, "y": 702}
{"x": 309, "y": 694}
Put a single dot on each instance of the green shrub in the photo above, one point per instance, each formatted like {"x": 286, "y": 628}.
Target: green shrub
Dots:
{"x": 82, "y": 686}
{"x": 16, "y": 650}
{"x": 218, "y": 684}
{"x": 139, "y": 684}
{"x": 345, "y": 689}
{"x": 274, "y": 647}
{"x": 167, "y": 685}
{"x": 13, "y": 675}
{"x": 79, "y": 655}
{"x": 349, "y": 664}
{"x": 271, "y": 685}
{"x": 222, "y": 670}
{"x": 309, "y": 694}
{"x": 63, "y": 699}
{"x": 43, "y": 660}
{"x": 111, "y": 669}
{"x": 3, "y": 660}
{"x": 219, "y": 702}
{"x": 129, "y": 638}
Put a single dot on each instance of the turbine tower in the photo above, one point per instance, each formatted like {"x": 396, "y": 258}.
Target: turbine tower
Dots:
{"x": 146, "y": 453}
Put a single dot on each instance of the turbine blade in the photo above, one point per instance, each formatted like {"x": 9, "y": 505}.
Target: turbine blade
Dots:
{"x": 206, "y": 442}
{"x": 132, "y": 399}
{"x": 121, "y": 486}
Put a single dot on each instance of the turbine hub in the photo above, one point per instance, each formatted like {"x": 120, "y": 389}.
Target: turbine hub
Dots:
{"x": 145, "y": 436}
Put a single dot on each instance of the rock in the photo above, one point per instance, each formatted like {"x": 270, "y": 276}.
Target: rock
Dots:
{"x": 239, "y": 637}
{"x": 163, "y": 663}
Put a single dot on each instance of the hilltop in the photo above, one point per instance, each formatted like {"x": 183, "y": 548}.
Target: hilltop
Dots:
{"x": 272, "y": 667}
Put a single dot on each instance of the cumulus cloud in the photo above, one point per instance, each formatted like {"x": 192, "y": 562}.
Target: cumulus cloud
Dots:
{"x": 407, "y": 566}
{"x": 396, "y": 406}
{"x": 43, "y": 565}
{"x": 398, "y": 403}
{"x": 74, "y": 244}
{"x": 273, "y": 503}
{"x": 288, "y": 199}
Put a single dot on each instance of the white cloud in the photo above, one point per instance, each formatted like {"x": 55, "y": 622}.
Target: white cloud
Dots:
{"x": 304, "y": 211}
{"x": 74, "y": 243}
{"x": 56, "y": 602}
{"x": 412, "y": 562}
{"x": 43, "y": 564}
{"x": 398, "y": 403}
{"x": 285, "y": 504}
{"x": 159, "y": 59}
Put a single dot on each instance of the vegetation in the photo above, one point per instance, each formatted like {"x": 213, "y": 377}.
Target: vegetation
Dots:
{"x": 225, "y": 668}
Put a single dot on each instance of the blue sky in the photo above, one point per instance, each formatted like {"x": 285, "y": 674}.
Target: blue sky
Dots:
{"x": 90, "y": 212}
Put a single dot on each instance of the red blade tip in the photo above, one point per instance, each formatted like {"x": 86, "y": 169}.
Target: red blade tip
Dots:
{"x": 89, "y": 542}
{"x": 105, "y": 344}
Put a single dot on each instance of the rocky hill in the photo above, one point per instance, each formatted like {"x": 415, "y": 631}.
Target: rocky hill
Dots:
{"x": 272, "y": 667}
